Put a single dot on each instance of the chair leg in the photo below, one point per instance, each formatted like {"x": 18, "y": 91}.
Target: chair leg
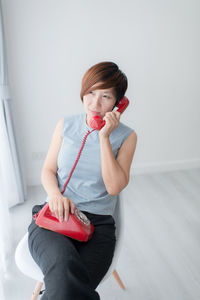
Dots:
{"x": 118, "y": 279}
{"x": 37, "y": 290}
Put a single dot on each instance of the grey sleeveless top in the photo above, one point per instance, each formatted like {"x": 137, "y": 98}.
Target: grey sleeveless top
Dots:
{"x": 86, "y": 187}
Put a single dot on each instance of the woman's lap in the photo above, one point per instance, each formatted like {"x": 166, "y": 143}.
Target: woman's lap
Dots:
{"x": 98, "y": 252}
{"x": 93, "y": 257}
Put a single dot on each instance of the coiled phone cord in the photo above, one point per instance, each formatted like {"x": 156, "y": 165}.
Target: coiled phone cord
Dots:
{"x": 73, "y": 167}
{"x": 77, "y": 159}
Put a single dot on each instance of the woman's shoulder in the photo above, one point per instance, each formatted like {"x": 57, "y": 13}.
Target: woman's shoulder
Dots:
{"x": 123, "y": 130}
{"x": 124, "y": 127}
{"x": 72, "y": 122}
{"x": 69, "y": 118}
{"x": 72, "y": 117}
{"x": 121, "y": 133}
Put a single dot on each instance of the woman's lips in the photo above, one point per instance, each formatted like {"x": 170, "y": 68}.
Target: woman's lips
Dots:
{"x": 94, "y": 113}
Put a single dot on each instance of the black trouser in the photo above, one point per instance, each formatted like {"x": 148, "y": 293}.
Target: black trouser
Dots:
{"x": 72, "y": 269}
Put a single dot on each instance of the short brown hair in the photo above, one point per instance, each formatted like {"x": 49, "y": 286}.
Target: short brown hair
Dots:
{"x": 109, "y": 75}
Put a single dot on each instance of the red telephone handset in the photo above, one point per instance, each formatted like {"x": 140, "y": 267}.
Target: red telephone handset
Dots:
{"x": 97, "y": 122}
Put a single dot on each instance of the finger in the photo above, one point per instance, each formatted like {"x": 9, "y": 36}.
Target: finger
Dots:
{"x": 66, "y": 209}
{"x": 50, "y": 206}
{"x": 60, "y": 211}
{"x": 113, "y": 115}
{"x": 112, "y": 119}
{"x": 109, "y": 116}
{"x": 72, "y": 207}
{"x": 116, "y": 117}
{"x": 117, "y": 114}
{"x": 54, "y": 207}
{"x": 56, "y": 211}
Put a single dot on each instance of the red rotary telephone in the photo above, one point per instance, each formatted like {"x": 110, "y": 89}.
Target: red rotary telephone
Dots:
{"x": 97, "y": 122}
{"x": 78, "y": 225}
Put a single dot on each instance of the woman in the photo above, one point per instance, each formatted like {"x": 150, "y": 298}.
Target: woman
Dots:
{"x": 73, "y": 269}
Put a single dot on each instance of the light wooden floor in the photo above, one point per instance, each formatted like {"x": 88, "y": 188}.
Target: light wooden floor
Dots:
{"x": 162, "y": 238}
{"x": 160, "y": 258}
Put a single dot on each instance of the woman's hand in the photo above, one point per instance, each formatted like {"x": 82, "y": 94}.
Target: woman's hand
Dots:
{"x": 61, "y": 207}
{"x": 112, "y": 121}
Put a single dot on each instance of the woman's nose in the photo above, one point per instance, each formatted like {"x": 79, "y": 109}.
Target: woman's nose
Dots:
{"x": 96, "y": 101}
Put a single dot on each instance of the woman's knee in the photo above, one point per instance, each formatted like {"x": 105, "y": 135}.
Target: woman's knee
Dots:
{"x": 50, "y": 249}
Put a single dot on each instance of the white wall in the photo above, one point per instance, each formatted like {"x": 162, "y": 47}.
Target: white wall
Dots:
{"x": 50, "y": 44}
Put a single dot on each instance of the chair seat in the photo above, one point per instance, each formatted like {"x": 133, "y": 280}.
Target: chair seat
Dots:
{"x": 25, "y": 261}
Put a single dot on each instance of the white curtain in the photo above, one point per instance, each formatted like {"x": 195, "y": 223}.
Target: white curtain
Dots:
{"x": 12, "y": 183}
{"x": 12, "y": 173}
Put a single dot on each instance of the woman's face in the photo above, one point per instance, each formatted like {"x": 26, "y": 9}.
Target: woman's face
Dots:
{"x": 98, "y": 102}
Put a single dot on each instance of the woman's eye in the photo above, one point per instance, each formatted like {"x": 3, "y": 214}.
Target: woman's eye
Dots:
{"x": 105, "y": 96}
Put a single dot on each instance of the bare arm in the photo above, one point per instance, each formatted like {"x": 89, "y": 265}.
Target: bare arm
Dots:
{"x": 57, "y": 203}
{"x": 49, "y": 170}
{"x": 115, "y": 172}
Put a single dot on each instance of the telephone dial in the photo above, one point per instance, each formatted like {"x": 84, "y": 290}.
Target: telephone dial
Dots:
{"x": 78, "y": 225}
